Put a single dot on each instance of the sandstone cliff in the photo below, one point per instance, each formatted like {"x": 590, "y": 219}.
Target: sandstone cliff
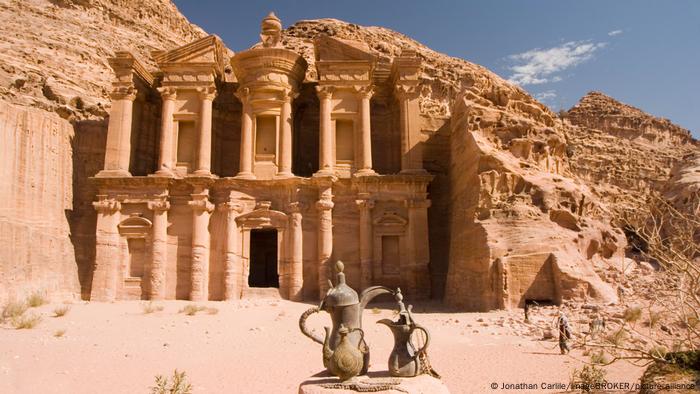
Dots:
{"x": 528, "y": 199}
{"x": 621, "y": 150}
{"x": 54, "y": 83}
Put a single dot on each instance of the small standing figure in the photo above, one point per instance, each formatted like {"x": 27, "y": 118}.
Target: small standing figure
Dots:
{"x": 527, "y": 311}
{"x": 596, "y": 326}
{"x": 564, "y": 333}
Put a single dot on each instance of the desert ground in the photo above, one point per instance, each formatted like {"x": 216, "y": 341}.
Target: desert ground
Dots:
{"x": 255, "y": 346}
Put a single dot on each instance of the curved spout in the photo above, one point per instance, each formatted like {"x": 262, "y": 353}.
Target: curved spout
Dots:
{"x": 327, "y": 352}
{"x": 387, "y": 322}
{"x": 369, "y": 293}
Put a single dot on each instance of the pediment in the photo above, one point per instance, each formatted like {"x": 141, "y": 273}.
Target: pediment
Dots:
{"x": 390, "y": 219}
{"x": 207, "y": 50}
{"x": 328, "y": 48}
{"x": 263, "y": 217}
{"x": 135, "y": 225}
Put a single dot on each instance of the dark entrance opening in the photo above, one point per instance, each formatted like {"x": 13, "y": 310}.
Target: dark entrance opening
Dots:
{"x": 263, "y": 259}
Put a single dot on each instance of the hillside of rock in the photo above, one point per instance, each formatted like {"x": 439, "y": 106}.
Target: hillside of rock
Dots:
{"x": 528, "y": 196}
{"x": 623, "y": 151}
{"x": 54, "y": 84}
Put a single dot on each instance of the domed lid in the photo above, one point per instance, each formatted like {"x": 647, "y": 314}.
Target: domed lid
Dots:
{"x": 341, "y": 294}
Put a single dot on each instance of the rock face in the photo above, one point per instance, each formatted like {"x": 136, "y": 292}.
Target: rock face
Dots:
{"x": 620, "y": 148}
{"x": 54, "y": 80}
{"x": 521, "y": 201}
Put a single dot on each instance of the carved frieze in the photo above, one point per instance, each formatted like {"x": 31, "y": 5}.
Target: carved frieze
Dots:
{"x": 107, "y": 206}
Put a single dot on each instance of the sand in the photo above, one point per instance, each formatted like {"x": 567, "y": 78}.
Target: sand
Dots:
{"x": 255, "y": 346}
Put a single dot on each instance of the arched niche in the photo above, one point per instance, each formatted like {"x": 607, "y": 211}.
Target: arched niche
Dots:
{"x": 135, "y": 232}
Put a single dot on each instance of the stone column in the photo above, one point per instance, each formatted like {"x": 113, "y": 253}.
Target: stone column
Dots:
{"x": 324, "y": 206}
{"x": 165, "y": 155}
{"x": 366, "y": 249}
{"x": 159, "y": 249}
{"x": 365, "y": 164}
{"x": 296, "y": 268}
{"x": 245, "y": 170}
{"x": 285, "y": 162}
{"x": 232, "y": 261}
{"x": 107, "y": 255}
{"x": 411, "y": 154}
{"x": 118, "y": 151}
{"x": 206, "y": 95}
{"x": 325, "y": 165}
{"x": 418, "y": 245}
{"x": 201, "y": 210}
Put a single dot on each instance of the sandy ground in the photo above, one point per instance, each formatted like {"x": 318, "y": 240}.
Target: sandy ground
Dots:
{"x": 256, "y": 347}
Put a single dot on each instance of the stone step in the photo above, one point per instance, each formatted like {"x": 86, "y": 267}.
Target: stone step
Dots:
{"x": 260, "y": 293}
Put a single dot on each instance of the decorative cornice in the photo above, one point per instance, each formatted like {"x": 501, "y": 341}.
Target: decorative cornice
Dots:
{"x": 406, "y": 91}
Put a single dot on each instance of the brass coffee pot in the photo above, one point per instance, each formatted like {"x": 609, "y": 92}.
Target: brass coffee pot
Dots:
{"x": 346, "y": 361}
{"x": 345, "y": 308}
{"x": 406, "y": 358}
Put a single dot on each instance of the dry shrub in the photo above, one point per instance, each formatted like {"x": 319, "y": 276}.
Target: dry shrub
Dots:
{"x": 588, "y": 379}
{"x": 61, "y": 311}
{"x": 632, "y": 314}
{"x": 59, "y": 333}
{"x": 178, "y": 385}
{"x": 27, "y": 321}
{"x": 150, "y": 308}
{"x": 36, "y": 299}
{"x": 191, "y": 309}
{"x": 13, "y": 309}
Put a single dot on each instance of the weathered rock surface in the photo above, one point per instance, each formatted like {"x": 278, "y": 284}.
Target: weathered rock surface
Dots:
{"x": 529, "y": 197}
{"x": 54, "y": 80}
{"x": 620, "y": 149}
{"x": 421, "y": 384}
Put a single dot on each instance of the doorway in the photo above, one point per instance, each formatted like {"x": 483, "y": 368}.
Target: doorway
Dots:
{"x": 263, "y": 259}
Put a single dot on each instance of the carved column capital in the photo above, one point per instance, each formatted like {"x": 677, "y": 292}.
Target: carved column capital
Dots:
{"x": 158, "y": 205}
{"x": 417, "y": 204}
{"x": 288, "y": 95}
{"x": 200, "y": 202}
{"x": 107, "y": 206}
{"x": 365, "y": 92}
{"x": 295, "y": 207}
{"x": 207, "y": 93}
{"x": 243, "y": 94}
{"x": 325, "y": 92}
{"x": 406, "y": 91}
{"x": 123, "y": 93}
{"x": 167, "y": 93}
{"x": 365, "y": 204}
{"x": 230, "y": 206}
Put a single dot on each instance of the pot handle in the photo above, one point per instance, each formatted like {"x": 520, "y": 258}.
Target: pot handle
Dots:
{"x": 362, "y": 338}
{"x": 302, "y": 325}
{"x": 427, "y": 337}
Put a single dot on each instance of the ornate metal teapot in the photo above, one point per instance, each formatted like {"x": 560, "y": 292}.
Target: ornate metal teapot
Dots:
{"x": 345, "y": 308}
{"x": 346, "y": 361}
{"x": 407, "y": 360}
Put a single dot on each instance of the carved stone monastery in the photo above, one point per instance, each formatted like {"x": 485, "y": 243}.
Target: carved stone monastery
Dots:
{"x": 219, "y": 179}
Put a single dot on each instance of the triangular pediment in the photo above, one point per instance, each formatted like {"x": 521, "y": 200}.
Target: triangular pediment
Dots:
{"x": 328, "y": 48}
{"x": 207, "y": 50}
{"x": 390, "y": 219}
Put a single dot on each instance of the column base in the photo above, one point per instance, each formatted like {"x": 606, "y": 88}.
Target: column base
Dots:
{"x": 365, "y": 172}
{"x": 414, "y": 171}
{"x": 245, "y": 175}
{"x": 284, "y": 175}
{"x": 113, "y": 174}
{"x": 324, "y": 173}
{"x": 202, "y": 173}
{"x": 164, "y": 172}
